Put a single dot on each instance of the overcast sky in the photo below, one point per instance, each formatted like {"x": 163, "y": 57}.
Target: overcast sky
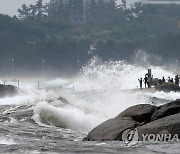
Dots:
{"x": 10, "y": 7}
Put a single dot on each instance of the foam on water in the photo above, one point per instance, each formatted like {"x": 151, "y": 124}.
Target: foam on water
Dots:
{"x": 55, "y": 83}
{"x": 167, "y": 96}
{"x": 6, "y": 140}
{"x": 98, "y": 93}
{"x": 67, "y": 117}
{"x": 29, "y": 92}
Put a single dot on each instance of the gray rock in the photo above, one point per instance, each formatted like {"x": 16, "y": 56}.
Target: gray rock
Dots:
{"x": 112, "y": 129}
{"x": 140, "y": 113}
{"x": 168, "y": 87}
{"x": 7, "y": 90}
{"x": 148, "y": 119}
{"x": 166, "y": 110}
{"x": 166, "y": 125}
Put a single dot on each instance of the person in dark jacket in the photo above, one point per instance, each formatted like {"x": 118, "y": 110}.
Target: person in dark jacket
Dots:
{"x": 140, "y": 82}
{"x": 145, "y": 81}
{"x": 176, "y": 80}
{"x": 163, "y": 80}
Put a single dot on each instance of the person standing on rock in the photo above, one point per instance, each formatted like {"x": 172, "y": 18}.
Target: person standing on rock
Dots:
{"x": 169, "y": 80}
{"x": 145, "y": 81}
{"x": 140, "y": 82}
{"x": 176, "y": 80}
{"x": 172, "y": 80}
{"x": 163, "y": 80}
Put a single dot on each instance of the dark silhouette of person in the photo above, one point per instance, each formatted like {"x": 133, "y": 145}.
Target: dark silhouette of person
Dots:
{"x": 176, "y": 80}
{"x": 140, "y": 82}
{"x": 145, "y": 81}
{"x": 163, "y": 80}
{"x": 169, "y": 80}
{"x": 172, "y": 80}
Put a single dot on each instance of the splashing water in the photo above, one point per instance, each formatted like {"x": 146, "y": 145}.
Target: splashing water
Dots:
{"x": 99, "y": 92}
{"x": 57, "y": 116}
{"x": 115, "y": 75}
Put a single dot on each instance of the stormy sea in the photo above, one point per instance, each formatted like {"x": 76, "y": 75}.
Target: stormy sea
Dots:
{"x": 55, "y": 116}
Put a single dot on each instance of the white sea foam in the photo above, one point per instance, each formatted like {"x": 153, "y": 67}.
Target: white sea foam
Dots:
{"x": 6, "y": 140}
{"x": 98, "y": 89}
{"x": 163, "y": 95}
{"x": 55, "y": 83}
{"x": 119, "y": 74}
{"x": 99, "y": 94}
{"x": 67, "y": 117}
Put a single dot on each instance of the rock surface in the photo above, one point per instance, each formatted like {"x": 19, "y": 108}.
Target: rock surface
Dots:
{"x": 140, "y": 113}
{"x": 167, "y": 125}
{"x": 147, "y": 119}
{"x": 7, "y": 90}
{"x": 111, "y": 129}
{"x": 168, "y": 87}
{"x": 166, "y": 110}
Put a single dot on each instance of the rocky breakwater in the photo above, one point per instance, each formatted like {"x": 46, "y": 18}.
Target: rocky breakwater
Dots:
{"x": 145, "y": 118}
{"x": 168, "y": 87}
{"x": 7, "y": 90}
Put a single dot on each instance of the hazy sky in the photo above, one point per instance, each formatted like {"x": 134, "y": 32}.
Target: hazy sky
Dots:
{"x": 10, "y": 6}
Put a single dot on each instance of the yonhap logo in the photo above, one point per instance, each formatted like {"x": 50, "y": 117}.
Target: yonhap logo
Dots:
{"x": 130, "y": 137}
{"x": 160, "y": 137}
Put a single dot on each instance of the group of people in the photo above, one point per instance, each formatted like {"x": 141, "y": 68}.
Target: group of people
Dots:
{"x": 176, "y": 79}
{"x": 147, "y": 81}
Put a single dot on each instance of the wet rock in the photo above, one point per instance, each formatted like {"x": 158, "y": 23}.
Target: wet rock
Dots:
{"x": 168, "y": 87}
{"x": 140, "y": 113}
{"x": 167, "y": 125}
{"x": 112, "y": 129}
{"x": 147, "y": 119}
{"x": 166, "y": 110}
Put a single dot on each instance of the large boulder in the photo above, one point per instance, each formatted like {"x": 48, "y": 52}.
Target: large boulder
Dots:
{"x": 112, "y": 129}
{"x": 7, "y": 90}
{"x": 140, "y": 113}
{"x": 166, "y": 110}
{"x": 167, "y": 125}
{"x": 168, "y": 87}
{"x": 147, "y": 119}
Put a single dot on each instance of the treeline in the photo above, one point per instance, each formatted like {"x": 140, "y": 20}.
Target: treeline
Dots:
{"x": 65, "y": 47}
{"x": 75, "y": 11}
{"x": 39, "y": 11}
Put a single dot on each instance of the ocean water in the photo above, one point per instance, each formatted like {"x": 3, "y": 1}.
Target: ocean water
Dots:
{"x": 55, "y": 117}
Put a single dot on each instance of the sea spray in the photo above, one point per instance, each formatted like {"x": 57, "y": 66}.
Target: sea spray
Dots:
{"x": 115, "y": 74}
{"x": 67, "y": 117}
{"x": 99, "y": 92}
{"x": 78, "y": 105}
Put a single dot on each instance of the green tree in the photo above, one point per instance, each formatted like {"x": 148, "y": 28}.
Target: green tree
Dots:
{"x": 41, "y": 10}
{"x": 24, "y": 12}
{"x": 33, "y": 12}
